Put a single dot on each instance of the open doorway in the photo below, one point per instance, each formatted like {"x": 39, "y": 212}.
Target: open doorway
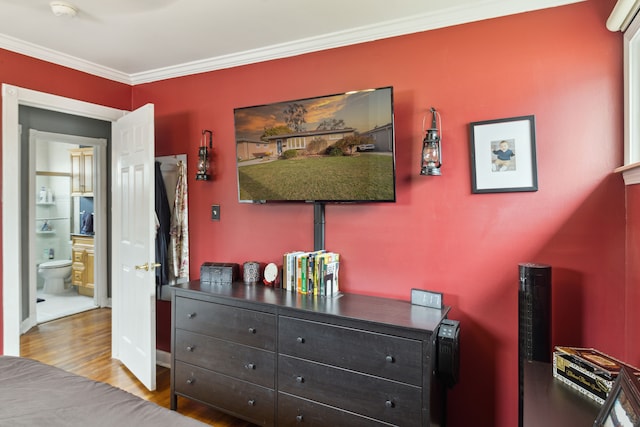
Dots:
{"x": 63, "y": 257}
{"x": 15, "y": 159}
{"x": 49, "y": 195}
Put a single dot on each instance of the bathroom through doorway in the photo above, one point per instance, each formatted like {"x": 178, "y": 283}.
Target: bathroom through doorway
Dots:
{"x": 62, "y": 254}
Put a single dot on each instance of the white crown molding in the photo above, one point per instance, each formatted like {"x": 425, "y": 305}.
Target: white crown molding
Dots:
{"x": 59, "y": 58}
{"x": 454, "y": 16}
{"x": 418, "y": 23}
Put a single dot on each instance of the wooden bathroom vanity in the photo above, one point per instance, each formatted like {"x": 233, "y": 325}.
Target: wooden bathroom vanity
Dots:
{"x": 83, "y": 256}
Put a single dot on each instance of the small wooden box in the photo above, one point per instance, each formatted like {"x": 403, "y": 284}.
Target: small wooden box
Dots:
{"x": 586, "y": 381}
{"x": 215, "y": 273}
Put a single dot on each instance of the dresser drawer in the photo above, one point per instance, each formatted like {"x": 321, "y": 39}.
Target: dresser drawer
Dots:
{"x": 236, "y": 360}
{"x": 251, "y": 402}
{"x": 293, "y": 411}
{"x": 373, "y": 397}
{"x": 239, "y": 325}
{"x": 382, "y": 355}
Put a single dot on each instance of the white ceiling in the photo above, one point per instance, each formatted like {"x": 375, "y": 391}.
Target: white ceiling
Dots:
{"x": 137, "y": 41}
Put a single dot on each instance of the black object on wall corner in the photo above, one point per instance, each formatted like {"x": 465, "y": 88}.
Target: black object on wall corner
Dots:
{"x": 534, "y": 320}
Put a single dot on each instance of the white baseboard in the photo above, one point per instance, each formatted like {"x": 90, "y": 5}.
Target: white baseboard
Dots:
{"x": 163, "y": 358}
{"x": 27, "y": 324}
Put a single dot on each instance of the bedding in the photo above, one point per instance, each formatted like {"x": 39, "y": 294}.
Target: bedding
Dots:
{"x": 35, "y": 394}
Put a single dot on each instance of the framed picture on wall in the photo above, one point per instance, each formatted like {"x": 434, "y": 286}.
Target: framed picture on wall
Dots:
{"x": 622, "y": 407}
{"x": 503, "y": 155}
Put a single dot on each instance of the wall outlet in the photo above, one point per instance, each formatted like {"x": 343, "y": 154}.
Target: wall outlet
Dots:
{"x": 215, "y": 212}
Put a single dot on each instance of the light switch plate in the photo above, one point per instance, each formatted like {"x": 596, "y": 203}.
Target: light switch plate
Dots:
{"x": 215, "y": 212}
{"x": 426, "y": 298}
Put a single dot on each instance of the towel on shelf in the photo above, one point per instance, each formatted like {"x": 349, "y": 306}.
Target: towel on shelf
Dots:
{"x": 87, "y": 223}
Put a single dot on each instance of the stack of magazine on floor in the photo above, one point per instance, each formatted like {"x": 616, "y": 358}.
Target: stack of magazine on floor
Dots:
{"x": 311, "y": 273}
{"x": 587, "y": 370}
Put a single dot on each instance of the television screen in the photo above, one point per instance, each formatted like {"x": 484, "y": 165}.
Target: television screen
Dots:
{"x": 335, "y": 148}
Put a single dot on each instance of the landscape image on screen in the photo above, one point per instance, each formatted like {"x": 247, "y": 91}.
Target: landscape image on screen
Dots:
{"x": 335, "y": 148}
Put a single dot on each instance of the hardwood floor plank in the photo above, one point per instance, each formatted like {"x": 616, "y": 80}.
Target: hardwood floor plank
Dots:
{"x": 82, "y": 344}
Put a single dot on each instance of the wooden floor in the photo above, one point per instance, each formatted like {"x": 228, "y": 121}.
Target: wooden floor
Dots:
{"x": 82, "y": 344}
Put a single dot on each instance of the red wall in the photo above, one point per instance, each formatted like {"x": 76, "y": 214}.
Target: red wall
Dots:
{"x": 632, "y": 324}
{"x": 26, "y": 72}
{"x": 561, "y": 65}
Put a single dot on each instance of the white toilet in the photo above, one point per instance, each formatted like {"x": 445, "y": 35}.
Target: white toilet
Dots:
{"x": 55, "y": 274}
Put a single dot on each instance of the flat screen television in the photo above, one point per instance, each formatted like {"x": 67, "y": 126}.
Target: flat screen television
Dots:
{"x": 332, "y": 149}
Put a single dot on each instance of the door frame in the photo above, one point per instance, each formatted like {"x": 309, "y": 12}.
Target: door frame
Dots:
{"x": 12, "y": 97}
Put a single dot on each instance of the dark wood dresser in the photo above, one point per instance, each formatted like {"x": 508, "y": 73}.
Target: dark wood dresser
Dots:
{"x": 550, "y": 403}
{"x": 278, "y": 359}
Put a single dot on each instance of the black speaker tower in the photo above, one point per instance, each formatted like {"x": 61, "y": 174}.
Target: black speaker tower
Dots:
{"x": 534, "y": 320}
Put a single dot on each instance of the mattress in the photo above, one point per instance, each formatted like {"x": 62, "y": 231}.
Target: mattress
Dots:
{"x": 35, "y": 394}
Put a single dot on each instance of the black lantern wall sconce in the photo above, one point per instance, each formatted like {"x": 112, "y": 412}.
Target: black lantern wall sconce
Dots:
{"x": 431, "y": 159}
{"x": 204, "y": 151}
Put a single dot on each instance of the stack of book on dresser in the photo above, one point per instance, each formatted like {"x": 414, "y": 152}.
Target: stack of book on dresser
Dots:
{"x": 587, "y": 370}
{"x": 311, "y": 273}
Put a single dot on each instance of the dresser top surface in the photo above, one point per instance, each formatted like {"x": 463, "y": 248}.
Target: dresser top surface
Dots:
{"x": 358, "y": 307}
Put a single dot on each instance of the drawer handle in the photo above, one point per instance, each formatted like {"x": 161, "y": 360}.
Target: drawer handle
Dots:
{"x": 389, "y": 404}
{"x": 390, "y": 359}
{"x": 191, "y": 347}
{"x": 299, "y": 418}
{"x": 191, "y": 380}
{"x": 252, "y": 330}
{"x": 300, "y": 379}
{"x": 300, "y": 340}
{"x": 191, "y": 315}
{"x": 252, "y": 402}
{"x": 250, "y": 366}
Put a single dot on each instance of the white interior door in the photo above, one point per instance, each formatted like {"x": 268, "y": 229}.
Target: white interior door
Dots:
{"x": 133, "y": 245}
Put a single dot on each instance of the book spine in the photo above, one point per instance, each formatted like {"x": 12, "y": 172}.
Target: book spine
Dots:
{"x": 320, "y": 272}
{"x": 285, "y": 271}
{"x": 310, "y": 263}
{"x": 330, "y": 273}
{"x": 316, "y": 284}
{"x": 329, "y": 276}
{"x": 299, "y": 273}
{"x": 336, "y": 280}
{"x": 292, "y": 272}
{"x": 303, "y": 274}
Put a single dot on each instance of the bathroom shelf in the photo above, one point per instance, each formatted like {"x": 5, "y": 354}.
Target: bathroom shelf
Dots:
{"x": 46, "y": 232}
{"x": 45, "y": 203}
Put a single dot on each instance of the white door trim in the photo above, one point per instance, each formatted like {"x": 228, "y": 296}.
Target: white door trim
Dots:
{"x": 12, "y": 97}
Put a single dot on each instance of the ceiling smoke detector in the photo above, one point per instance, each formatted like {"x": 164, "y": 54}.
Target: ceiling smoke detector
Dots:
{"x": 62, "y": 8}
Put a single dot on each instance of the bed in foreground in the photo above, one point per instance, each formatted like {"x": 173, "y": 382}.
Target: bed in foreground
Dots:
{"x": 35, "y": 394}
